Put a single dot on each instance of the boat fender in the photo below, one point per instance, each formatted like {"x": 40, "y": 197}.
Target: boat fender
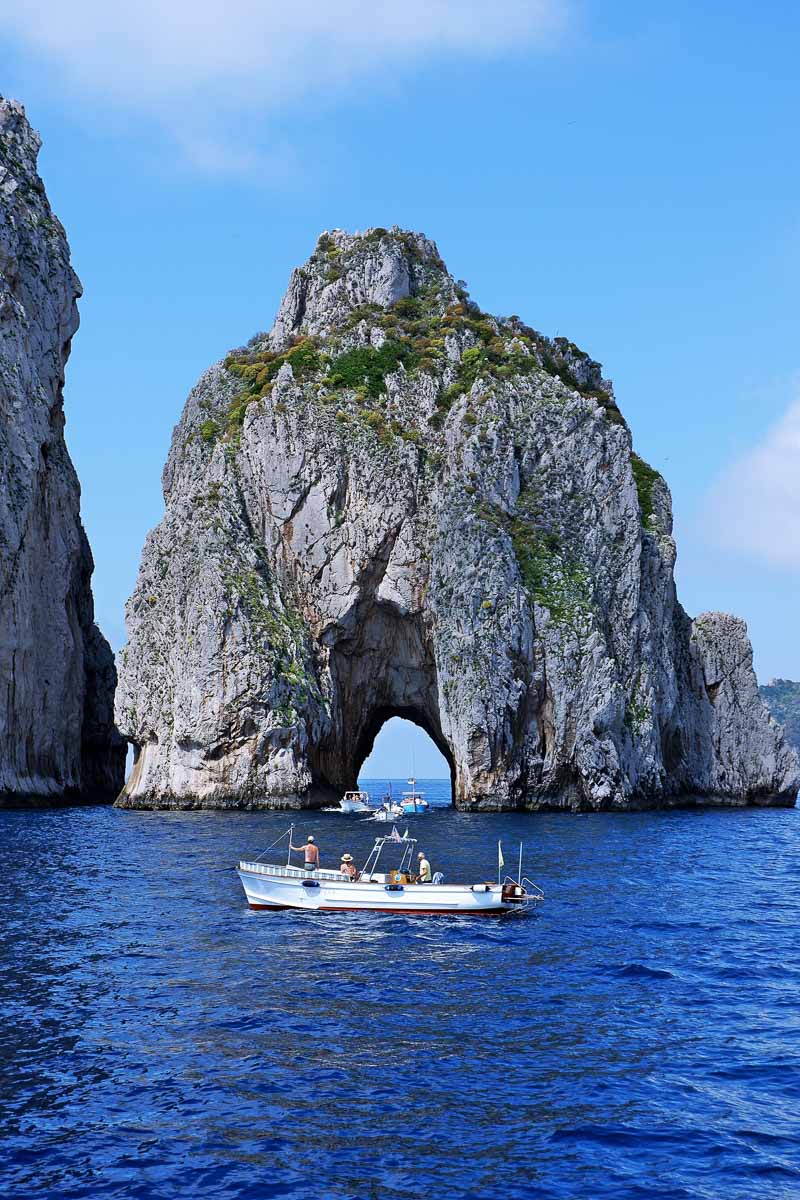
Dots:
{"x": 310, "y": 883}
{"x": 481, "y": 887}
{"x": 394, "y": 887}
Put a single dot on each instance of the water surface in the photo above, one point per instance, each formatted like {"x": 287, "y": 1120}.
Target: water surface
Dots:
{"x": 637, "y": 1038}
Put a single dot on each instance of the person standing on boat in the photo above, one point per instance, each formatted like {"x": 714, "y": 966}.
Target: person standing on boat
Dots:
{"x": 310, "y": 853}
{"x": 424, "y": 869}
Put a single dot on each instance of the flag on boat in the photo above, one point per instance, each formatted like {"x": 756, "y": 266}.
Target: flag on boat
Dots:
{"x": 501, "y": 862}
{"x": 395, "y": 836}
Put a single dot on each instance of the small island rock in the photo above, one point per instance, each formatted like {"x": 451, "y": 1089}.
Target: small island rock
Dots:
{"x": 395, "y": 503}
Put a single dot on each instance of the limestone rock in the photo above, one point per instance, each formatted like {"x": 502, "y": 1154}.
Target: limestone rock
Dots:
{"x": 57, "y": 735}
{"x": 394, "y": 503}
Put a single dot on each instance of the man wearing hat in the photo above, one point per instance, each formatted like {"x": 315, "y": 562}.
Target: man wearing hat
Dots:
{"x": 310, "y": 853}
{"x": 348, "y": 867}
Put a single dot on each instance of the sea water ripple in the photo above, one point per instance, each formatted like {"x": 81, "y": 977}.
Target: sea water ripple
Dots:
{"x": 637, "y": 1038}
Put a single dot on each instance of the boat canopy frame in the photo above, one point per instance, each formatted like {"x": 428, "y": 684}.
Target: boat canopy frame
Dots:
{"x": 394, "y": 839}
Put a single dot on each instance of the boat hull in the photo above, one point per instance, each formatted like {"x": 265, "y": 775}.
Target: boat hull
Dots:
{"x": 327, "y": 891}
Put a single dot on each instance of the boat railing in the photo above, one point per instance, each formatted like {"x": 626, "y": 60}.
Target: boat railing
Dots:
{"x": 531, "y": 890}
{"x": 258, "y": 868}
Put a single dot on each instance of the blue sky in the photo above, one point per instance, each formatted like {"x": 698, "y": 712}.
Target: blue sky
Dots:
{"x": 624, "y": 174}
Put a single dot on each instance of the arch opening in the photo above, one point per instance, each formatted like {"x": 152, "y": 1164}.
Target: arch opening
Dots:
{"x": 397, "y": 743}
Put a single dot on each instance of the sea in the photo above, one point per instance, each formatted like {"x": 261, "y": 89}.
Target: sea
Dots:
{"x": 636, "y": 1037}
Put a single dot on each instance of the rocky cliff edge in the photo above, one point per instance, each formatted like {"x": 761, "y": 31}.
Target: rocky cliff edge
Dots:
{"x": 57, "y": 675}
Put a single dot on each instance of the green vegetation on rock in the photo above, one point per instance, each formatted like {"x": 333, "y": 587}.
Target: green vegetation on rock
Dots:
{"x": 258, "y": 368}
{"x": 280, "y": 632}
{"x": 415, "y": 329}
{"x": 552, "y": 577}
{"x": 364, "y": 366}
{"x": 644, "y": 477}
{"x": 637, "y": 714}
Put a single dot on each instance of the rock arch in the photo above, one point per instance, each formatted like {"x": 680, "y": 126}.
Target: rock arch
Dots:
{"x": 397, "y": 503}
{"x": 379, "y": 717}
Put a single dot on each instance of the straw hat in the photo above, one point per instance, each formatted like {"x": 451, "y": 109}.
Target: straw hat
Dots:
{"x": 347, "y": 858}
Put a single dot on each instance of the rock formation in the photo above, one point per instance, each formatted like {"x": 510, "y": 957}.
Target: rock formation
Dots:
{"x": 394, "y": 503}
{"x": 783, "y": 700}
{"x": 57, "y": 736}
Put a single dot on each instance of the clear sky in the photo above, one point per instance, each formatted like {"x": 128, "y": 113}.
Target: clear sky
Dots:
{"x": 623, "y": 174}
{"x": 401, "y": 749}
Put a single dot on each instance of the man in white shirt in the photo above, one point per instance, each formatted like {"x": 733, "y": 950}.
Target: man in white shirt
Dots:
{"x": 424, "y": 875}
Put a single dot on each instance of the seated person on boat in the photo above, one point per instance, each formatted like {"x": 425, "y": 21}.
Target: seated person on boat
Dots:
{"x": 348, "y": 867}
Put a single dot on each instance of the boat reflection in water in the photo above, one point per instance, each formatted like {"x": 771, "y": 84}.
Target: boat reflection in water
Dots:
{"x": 380, "y": 887}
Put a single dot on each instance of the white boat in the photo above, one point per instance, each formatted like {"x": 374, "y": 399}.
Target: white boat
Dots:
{"x": 352, "y": 802}
{"x": 413, "y": 802}
{"x": 388, "y": 811}
{"x": 378, "y": 888}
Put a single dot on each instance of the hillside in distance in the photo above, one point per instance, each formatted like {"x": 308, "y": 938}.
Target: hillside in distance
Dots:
{"x": 783, "y": 699}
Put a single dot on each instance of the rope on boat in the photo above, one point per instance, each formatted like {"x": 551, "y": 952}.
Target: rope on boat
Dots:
{"x": 275, "y": 843}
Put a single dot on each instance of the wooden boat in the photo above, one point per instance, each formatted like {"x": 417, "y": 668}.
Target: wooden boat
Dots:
{"x": 379, "y": 888}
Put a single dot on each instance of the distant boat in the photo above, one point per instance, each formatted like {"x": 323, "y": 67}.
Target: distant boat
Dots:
{"x": 389, "y": 809}
{"x": 378, "y": 888}
{"x": 413, "y": 802}
{"x": 386, "y": 813}
{"x": 353, "y": 802}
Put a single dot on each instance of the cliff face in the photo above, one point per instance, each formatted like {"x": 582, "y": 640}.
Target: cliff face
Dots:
{"x": 57, "y": 676}
{"x": 783, "y": 699}
{"x": 396, "y": 504}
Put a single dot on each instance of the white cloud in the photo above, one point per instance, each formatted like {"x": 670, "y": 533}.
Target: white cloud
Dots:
{"x": 187, "y": 61}
{"x": 754, "y": 506}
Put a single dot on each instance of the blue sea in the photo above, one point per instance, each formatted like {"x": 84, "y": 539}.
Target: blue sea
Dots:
{"x": 638, "y": 1038}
